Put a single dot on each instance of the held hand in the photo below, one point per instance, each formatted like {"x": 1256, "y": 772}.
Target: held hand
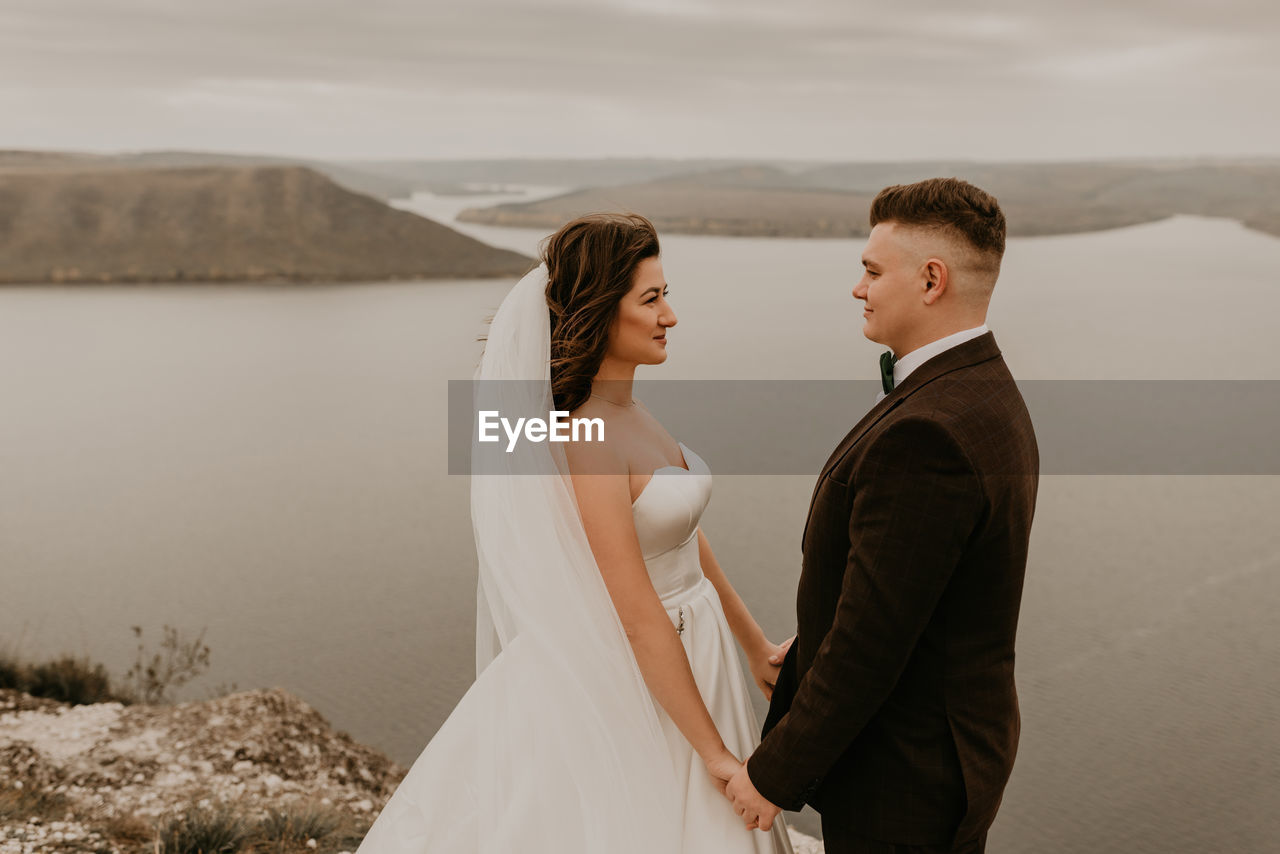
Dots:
{"x": 766, "y": 663}
{"x": 751, "y": 806}
{"x": 722, "y": 768}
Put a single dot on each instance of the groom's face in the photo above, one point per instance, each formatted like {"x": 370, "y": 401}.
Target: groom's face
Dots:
{"x": 891, "y": 285}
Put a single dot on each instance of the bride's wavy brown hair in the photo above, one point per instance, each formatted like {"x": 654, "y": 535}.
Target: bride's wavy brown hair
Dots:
{"x": 590, "y": 264}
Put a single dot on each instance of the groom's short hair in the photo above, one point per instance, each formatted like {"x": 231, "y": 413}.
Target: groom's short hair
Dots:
{"x": 949, "y": 205}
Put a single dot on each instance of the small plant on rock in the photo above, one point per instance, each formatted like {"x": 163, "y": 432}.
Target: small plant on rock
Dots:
{"x": 128, "y": 832}
{"x": 290, "y": 827}
{"x": 12, "y": 674}
{"x": 217, "y": 829}
{"x": 155, "y": 675}
{"x": 70, "y": 680}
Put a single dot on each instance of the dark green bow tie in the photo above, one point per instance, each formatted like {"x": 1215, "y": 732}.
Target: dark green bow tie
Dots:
{"x": 886, "y": 370}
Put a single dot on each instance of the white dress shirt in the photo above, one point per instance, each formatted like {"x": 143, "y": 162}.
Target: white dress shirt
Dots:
{"x": 917, "y": 357}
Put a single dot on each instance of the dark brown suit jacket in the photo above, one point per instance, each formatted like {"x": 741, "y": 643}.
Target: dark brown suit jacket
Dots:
{"x": 895, "y": 715}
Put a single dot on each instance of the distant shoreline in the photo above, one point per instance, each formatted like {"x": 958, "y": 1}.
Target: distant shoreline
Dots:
{"x": 262, "y": 282}
{"x": 499, "y": 218}
{"x": 832, "y": 200}
{"x": 179, "y": 218}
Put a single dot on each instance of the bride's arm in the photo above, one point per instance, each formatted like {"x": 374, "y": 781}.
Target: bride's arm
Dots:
{"x": 765, "y": 657}
{"x": 604, "y": 502}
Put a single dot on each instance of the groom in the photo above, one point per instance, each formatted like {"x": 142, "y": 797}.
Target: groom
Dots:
{"x": 895, "y": 714}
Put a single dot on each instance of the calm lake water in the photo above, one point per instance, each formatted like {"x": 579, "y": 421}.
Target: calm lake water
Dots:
{"x": 269, "y": 463}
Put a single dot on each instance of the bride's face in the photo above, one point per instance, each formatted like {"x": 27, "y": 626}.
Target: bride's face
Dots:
{"x": 639, "y": 331}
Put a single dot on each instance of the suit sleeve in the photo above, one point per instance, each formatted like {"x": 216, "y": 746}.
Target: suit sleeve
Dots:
{"x": 916, "y": 501}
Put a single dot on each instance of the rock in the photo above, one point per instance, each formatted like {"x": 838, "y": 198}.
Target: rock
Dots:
{"x": 111, "y": 761}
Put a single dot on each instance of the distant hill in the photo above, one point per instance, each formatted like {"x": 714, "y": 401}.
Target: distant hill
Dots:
{"x": 742, "y": 202}
{"x": 70, "y": 221}
{"x": 452, "y": 175}
{"x": 383, "y": 186}
{"x": 832, "y": 200}
{"x": 776, "y": 198}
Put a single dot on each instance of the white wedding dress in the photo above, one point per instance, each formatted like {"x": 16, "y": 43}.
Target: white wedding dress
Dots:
{"x": 558, "y": 747}
{"x": 666, "y": 516}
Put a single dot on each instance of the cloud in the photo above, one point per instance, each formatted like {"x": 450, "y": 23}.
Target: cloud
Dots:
{"x": 813, "y": 78}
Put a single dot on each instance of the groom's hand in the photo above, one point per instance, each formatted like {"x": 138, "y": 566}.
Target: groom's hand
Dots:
{"x": 754, "y": 809}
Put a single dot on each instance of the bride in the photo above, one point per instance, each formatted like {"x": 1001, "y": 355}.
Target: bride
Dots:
{"x": 609, "y": 708}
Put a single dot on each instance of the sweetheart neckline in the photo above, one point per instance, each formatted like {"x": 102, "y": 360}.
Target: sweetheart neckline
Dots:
{"x": 686, "y": 451}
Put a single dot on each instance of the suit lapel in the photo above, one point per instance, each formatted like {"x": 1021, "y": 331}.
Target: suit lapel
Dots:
{"x": 972, "y": 352}
{"x": 882, "y": 408}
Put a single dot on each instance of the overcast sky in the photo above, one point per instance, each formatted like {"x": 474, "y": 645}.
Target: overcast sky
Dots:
{"x": 802, "y": 79}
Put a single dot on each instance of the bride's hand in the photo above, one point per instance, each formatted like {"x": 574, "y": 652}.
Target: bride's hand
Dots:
{"x": 722, "y": 768}
{"x": 766, "y": 663}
